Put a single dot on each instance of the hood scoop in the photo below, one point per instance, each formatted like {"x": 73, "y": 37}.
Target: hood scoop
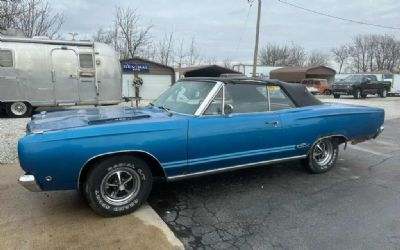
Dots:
{"x": 60, "y": 120}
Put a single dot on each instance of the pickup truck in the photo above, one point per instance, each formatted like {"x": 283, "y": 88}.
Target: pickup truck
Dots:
{"x": 360, "y": 86}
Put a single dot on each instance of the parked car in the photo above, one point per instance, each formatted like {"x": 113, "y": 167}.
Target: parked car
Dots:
{"x": 197, "y": 127}
{"x": 39, "y": 72}
{"x": 317, "y": 86}
{"x": 360, "y": 86}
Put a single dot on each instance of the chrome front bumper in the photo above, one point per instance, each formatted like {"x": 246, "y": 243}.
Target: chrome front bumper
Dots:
{"x": 380, "y": 130}
{"x": 29, "y": 182}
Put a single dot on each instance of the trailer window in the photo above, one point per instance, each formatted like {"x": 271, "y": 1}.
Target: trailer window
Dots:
{"x": 6, "y": 59}
{"x": 86, "y": 61}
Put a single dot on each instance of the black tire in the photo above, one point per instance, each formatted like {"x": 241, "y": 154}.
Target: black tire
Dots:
{"x": 18, "y": 109}
{"x": 383, "y": 93}
{"x": 357, "y": 94}
{"x": 103, "y": 198}
{"x": 363, "y": 95}
{"x": 336, "y": 96}
{"x": 328, "y": 92}
{"x": 318, "y": 166}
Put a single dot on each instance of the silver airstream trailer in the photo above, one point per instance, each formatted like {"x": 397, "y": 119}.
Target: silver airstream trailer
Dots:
{"x": 38, "y": 72}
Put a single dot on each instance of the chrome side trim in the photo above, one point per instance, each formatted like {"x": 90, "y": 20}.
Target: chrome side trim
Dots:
{"x": 242, "y": 166}
{"x": 29, "y": 182}
{"x": 116, "y": 152}
{"x": 210, "y": 97}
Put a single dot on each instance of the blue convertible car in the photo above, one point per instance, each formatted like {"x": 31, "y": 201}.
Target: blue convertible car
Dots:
{"x": 199, "y": 126}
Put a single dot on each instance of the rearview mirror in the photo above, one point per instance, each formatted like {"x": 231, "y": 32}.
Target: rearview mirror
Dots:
{"x": 228, "y": 109}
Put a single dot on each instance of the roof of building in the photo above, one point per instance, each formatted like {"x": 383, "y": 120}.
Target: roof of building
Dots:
{"x": 205, "y": 71}
{"x": 297, "y": 74}
{"x": 304, "y": 69}
{"x": 147, "y": 61}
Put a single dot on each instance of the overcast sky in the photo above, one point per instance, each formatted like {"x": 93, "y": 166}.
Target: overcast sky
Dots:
{"x": 221, "y": 29}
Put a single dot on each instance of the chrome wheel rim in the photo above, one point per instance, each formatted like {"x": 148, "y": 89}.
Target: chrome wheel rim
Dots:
{"x": 384, "y": 93}
{"x": 120, "y": 186}
{"x": 323, "y": 152}
{"x": 19, "y": 108}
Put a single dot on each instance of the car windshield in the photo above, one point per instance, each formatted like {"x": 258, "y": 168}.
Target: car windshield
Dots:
{"x": 353, "y": 78}
{"x": 184, "y": 97}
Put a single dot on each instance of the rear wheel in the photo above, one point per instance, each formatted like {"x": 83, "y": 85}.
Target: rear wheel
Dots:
{"x": 118, "y": 186}
{"x": 336, "y": 96}
{"x": 383, "y": 93}
{"x": 18, "y": 109}
{"x": 363, "y": 95}
{"x": 322, "y": 156}
{"x": 328, "y": 92}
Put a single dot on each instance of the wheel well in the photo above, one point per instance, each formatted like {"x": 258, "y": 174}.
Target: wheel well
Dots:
{"x": 154, "y": 164}
{"x": 341, "y": 138}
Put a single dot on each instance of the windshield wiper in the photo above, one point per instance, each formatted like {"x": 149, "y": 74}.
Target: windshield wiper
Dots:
{"x": 164, "y": 108}
{"x": 151, "y": 104}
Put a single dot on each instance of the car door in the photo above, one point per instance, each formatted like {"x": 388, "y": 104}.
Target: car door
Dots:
{"x": 250, "y": 134}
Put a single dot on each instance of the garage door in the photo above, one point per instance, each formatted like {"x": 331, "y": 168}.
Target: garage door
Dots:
{"x": 153, "y": 85}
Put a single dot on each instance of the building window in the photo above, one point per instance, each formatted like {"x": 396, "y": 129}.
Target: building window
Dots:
{"x": 86, "y": 61}
{"x": 6, "y": 59}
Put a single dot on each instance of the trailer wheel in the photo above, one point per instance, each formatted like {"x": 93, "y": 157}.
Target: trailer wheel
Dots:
{"x": 18, "y": 109}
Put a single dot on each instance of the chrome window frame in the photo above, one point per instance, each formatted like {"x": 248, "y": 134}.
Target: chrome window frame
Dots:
{"x": 210, "y": 97}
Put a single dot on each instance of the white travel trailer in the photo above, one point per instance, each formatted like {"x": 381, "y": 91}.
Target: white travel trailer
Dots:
{"x": 39, "y": 72}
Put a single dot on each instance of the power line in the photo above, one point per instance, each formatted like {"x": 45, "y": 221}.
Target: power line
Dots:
{"x": 244, "y": 31}
{"x": 336, "y": 17}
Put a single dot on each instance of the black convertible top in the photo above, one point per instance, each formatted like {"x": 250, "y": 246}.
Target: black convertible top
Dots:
{"x": 297, "y": 92}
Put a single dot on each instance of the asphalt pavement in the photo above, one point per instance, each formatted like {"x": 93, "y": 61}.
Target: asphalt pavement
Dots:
{"x": 354, "y": 206}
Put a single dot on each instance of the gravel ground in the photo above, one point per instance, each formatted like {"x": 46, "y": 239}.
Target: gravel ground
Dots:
{"x": 10, "y": 131}
{"x": 13, "y": 129}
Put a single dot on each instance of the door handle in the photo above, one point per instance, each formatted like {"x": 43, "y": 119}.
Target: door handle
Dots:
{"x": 273, "y": 123}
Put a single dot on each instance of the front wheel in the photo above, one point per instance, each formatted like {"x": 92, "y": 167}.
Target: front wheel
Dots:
{"x": 336, "y": 96}
{"x": 322, "y": 156}
{"x": 118, "y": 186}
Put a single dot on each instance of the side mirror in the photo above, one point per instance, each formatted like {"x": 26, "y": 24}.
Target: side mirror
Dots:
{"x": 228, "y": 109}
{"x": 367, "y": 80}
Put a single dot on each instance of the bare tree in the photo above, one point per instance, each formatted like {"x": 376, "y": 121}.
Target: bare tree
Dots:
{"x": 276, "y": 55}
{"x": 181, "y": 54}
{"x": 374, "y": 52}
{"x": 193, "y": 54}
{"x": 317, "y": 58}
{"x": 104, "y": 36}
{"x": 341, "y": 55}
{"x": 227, "y": 63}
{"x": 32, "y": 17}
{"x": 132, "y": 37}
{"x": 166, "y": 49}
{"x": 9, "y": 12}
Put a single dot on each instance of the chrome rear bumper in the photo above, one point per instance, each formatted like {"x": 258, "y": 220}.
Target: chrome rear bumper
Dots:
{"x": 29, "y": 182}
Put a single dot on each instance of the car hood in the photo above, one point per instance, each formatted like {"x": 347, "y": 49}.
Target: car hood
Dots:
{"x": 61, "y": 120}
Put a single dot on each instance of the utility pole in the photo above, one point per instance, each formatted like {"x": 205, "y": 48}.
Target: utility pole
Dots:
{"x": 257, "y": 39}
